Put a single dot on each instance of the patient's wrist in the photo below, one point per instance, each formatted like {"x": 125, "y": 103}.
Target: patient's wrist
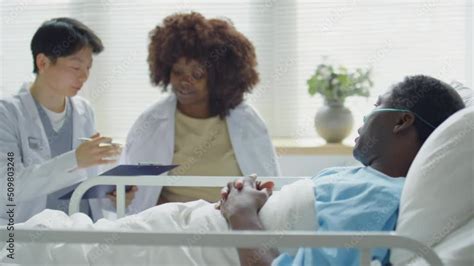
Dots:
{"x": 245, "y": 220}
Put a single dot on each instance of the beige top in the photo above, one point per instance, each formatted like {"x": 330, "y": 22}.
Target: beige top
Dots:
{"x": 202, "y": 148}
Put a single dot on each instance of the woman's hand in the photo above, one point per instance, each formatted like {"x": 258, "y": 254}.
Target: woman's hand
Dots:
{"x": 129, "y": 196}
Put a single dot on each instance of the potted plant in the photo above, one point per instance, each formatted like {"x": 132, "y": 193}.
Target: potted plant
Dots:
{"x": 334, "y": 121}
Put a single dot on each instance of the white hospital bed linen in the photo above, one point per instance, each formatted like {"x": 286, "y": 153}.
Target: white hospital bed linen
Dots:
{"x": 283, "y": 211}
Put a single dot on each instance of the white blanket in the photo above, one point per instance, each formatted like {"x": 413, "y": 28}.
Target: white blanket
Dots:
{"x": 292, "y": 208}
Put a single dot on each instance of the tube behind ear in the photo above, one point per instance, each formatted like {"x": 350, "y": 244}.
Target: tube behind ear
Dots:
{"x": 405, "y": 121}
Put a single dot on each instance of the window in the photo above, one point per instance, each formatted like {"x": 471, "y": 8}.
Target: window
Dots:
{"x": 393, "y": 37}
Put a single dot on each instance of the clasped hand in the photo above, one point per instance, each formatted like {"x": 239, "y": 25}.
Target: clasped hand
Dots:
{"x": 243, "y": 197}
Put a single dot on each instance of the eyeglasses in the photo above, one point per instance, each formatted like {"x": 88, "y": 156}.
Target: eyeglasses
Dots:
{"x": 398, "y": 110}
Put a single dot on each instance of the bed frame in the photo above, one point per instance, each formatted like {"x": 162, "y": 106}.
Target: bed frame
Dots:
{"x": 364, "y": 242}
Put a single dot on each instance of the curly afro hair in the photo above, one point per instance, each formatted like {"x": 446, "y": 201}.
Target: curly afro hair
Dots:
{"x": 227, "y": 55}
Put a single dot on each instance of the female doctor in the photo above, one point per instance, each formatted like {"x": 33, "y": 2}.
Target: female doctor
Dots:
{"x": 204, "y": 125}
{"x": 41, "y": 156}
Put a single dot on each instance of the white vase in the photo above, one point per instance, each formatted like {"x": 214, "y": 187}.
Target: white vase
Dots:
{"x": 334, "y": 121}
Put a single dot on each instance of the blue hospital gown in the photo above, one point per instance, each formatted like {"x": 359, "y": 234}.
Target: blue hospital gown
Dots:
{"x": 350, "y": 199}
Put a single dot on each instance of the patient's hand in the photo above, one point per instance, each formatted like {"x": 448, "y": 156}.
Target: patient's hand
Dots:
{"x": 129, "y": 196}
{"x": 240, "y": 203}
{"x": 238, "y": 184}
{"x": 242, "y": 199}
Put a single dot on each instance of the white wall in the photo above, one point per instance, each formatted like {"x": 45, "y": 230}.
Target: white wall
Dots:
{"x": 310, "y": 165}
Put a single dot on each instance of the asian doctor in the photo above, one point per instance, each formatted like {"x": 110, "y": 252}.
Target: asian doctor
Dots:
{"x": 41, "y": 157}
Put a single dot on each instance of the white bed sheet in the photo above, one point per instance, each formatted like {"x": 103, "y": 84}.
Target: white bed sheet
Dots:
{"x": 283, "y": 211}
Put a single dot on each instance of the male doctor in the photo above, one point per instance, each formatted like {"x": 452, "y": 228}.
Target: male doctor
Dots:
{"x": 41, "y": 156}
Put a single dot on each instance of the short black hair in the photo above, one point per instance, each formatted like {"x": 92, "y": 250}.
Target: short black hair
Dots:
{"x": 429, "y": 98}
{"x": 60, "y": 37}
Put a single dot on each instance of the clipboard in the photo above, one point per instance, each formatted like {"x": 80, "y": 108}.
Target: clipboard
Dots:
{"x": 138, "y": 169}
{"x": 98, "y": 192}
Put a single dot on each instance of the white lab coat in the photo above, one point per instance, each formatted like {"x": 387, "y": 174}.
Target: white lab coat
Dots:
{"x": 151, "y": 140}
{"x": 35, "y": 173}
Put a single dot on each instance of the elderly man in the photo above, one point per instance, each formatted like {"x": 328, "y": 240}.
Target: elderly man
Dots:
{"x": 364, "y": 198}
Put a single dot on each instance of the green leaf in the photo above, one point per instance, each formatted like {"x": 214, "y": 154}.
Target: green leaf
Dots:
{"x": 341, "y": 84}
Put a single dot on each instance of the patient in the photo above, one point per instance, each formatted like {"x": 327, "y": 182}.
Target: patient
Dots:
{"x": 362, "y": 198}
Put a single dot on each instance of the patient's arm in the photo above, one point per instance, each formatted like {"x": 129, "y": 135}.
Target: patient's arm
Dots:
{"x": 240, "y": 203}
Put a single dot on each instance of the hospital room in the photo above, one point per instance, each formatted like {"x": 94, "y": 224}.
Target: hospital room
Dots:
{"x": 225, "y": 132}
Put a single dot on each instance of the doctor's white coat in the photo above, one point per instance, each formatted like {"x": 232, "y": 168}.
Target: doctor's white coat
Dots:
{"x": 35, "y": 174}
{"x": 151, "y": 140}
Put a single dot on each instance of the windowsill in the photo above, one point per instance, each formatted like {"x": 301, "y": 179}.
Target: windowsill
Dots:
{"x": 301, "y": 146}
{"x": 310, "y": 146}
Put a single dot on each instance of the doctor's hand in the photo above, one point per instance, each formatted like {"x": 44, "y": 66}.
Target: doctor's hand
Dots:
{"x": 91, "y": 153}
{"x": 243, "y": 199}
{"x": 129, "y": 196}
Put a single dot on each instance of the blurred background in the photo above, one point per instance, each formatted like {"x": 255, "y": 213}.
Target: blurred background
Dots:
{"x": 392, "y": 38}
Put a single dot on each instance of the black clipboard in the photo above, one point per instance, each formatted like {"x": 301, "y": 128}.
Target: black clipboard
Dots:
{"x": 120, "y": 170}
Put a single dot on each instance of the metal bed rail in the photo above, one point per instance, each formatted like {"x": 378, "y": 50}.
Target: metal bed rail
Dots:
{"x": 362, "y": 241}
{"x": 188, "y": 181}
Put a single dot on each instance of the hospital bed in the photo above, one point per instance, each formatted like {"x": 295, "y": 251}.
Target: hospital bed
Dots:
{"x": 434, "y": 193}
{"x": 364, "y": 242}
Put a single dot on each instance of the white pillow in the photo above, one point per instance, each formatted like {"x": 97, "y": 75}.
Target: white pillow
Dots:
{"x": 457, "y": 249}
{"x": 465, "y": 93}
{"x": 438, "y": 193}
